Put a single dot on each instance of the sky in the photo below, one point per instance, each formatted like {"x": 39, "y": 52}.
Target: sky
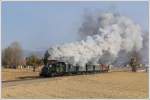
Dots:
{"x": 39, "y": 25}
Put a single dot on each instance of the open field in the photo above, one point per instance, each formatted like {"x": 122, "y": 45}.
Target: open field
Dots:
{"x": 18, "y": 74}
{"x": 103, "y": 85}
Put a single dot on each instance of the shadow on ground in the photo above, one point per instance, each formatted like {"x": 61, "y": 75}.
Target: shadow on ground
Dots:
{"x": 23, "y": 78}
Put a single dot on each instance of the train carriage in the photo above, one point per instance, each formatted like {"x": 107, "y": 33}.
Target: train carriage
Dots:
{"x": 57, "y": 68}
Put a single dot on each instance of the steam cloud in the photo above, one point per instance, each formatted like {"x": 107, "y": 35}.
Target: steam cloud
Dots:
{"x": 107, "y": 38}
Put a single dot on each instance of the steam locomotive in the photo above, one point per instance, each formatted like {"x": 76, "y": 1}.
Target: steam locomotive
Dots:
{"x": 58, "y": 68}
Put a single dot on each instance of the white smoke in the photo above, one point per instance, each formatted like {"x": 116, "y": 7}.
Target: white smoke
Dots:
{"x": 106, "y": 38}
{"x": 144, "y": 52}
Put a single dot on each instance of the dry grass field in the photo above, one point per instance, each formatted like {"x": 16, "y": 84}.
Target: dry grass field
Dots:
{"x": 103, "y": 85}
{"x": 17, "y": 74}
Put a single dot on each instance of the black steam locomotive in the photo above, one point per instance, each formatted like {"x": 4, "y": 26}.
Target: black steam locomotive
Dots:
{"x": 57, "y": 68}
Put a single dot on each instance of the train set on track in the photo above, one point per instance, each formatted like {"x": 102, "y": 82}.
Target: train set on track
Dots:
{"x": 57, "y": 68}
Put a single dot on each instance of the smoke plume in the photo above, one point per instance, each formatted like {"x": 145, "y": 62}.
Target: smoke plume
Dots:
{"x": 106, "y": 38}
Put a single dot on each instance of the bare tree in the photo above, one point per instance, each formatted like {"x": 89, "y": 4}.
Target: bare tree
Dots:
{"x": 12, "y": 55}
{"x": 33, "y": 61}
{"x": 136, "y": 55}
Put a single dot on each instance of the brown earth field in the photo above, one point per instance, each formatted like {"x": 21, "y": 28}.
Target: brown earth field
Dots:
{"x": 26, "y": 84}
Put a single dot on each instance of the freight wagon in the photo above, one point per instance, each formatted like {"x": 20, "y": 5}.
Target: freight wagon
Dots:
{"x": 57, "y": 68}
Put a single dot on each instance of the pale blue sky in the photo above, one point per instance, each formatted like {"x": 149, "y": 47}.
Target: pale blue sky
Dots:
{"x": 37, "y": 25}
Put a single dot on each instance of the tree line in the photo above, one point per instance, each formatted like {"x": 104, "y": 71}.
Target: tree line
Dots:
{"x": 12, "y": 57}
